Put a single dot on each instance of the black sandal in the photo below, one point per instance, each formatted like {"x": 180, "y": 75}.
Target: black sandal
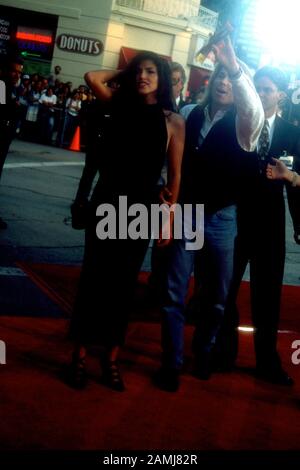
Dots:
{"x": 111, "y": 376}
{"x": 76, "y": 374}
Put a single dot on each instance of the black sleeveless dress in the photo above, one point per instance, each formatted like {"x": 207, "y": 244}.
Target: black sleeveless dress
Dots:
{"x": 133, "y": 151}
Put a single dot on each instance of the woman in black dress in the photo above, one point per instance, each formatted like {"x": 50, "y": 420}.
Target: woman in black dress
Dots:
{"x": 138, "y": 134}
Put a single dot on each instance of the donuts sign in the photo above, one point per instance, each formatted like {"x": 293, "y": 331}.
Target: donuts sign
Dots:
{"x": 79, "y": 44}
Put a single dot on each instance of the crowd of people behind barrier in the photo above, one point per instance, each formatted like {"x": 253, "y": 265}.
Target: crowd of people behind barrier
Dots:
{"x": 49, "y": 111}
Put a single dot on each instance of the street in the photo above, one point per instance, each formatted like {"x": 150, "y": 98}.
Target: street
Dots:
{"x": 38, "y": 185}
{"x": 37, "y": 188}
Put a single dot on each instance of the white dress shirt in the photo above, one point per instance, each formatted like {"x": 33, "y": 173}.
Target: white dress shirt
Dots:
{"x": 271, "y": 121}
{"x": 249, "y": 113}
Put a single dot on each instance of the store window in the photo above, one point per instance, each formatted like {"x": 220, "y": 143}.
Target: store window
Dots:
{"x": 35, "y": 45}
{"x": 29, "y": 34}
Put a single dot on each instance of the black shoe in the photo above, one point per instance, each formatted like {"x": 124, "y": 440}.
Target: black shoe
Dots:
{"x": 219, "y": 364}
{"x": 276, "y": 376}
{"x": 111, "y": 376}
{"x": 203, "y": 365}
{"x": 76, "y": 375}
{"x": 223, "y": 367}
{"x": 3, "y": 225}
{"x": 167, "y": 379}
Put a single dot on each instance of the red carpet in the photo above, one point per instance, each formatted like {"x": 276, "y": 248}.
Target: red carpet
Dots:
{"x": 229, "y": 412}
{"x": 60, "y": 283}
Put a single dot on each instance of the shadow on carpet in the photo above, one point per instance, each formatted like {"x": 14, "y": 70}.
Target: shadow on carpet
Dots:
{"x": 60, "y": 282}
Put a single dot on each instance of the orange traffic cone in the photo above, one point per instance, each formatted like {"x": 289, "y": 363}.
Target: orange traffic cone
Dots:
{"x": 75, "y": 144}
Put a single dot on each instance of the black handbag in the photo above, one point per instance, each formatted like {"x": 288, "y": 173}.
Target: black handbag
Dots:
{"x": 79, "y": 212}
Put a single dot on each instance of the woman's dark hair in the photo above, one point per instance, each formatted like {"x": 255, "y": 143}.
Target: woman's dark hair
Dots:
{"x": 127, "y": 80}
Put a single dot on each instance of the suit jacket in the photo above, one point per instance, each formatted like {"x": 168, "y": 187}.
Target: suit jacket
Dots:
{"x": 263, "y": 200}
{"x": 287, "y": 137}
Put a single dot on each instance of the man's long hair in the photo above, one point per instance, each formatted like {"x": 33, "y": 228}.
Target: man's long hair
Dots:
{"x": 206, "y": 100}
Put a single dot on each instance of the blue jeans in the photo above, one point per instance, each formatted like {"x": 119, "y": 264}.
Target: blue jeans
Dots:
{"x": 214, "y": 267}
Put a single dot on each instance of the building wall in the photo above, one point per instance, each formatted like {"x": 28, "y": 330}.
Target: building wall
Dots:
{"x": 168, "y": 41}
{"x": 144, "y": 30}
{"x": 157, "y": 41}
{"x": 162, "y": 27}
{"x": 117, "y": 25}
{"x": 87, "y": 18}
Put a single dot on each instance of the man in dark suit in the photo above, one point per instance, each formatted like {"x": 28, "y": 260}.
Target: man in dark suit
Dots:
{"x": 261, "y": 235}
{"x": 178, "y": 81}
{"x": 8, "y": 111}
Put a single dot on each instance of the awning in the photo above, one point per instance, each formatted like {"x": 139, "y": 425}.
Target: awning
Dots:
{"x": 198, "y": 78}
{"x": 128, "y": 53}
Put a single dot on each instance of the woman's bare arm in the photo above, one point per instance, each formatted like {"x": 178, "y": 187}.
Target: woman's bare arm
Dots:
{"x": 176, "y": 134}
{"x": 97, "y": 81}
{"x": 174, "y": 155}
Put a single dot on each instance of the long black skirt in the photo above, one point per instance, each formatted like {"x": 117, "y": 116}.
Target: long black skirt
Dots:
{"x": 106, "y": 288}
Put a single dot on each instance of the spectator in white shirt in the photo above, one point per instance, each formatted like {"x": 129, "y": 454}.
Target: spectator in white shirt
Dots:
{"x": 46, "y": 115}
{"x": 73, "y": 106}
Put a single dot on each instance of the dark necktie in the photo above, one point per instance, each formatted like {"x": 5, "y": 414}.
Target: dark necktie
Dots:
{"x": 264, "y": 144}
